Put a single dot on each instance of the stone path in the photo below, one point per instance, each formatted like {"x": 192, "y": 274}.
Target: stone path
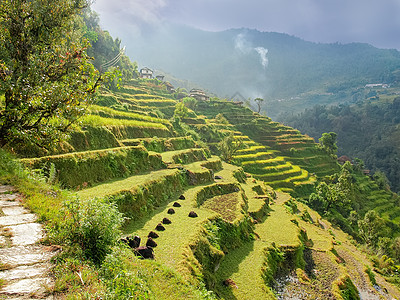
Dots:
{"x": 24, "y": 263}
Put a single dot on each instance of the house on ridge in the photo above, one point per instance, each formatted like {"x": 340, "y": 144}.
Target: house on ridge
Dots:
{"x": 146, "y": 73}
{"x": 198, "y": 95}
{"x": 343, "y": 159}
{"x": 170, "y": 87}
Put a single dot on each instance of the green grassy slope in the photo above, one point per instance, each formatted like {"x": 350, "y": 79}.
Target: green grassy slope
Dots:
{"x": 248, "y": 229}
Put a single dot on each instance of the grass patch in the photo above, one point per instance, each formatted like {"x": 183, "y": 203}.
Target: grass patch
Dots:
{"x": 97, "y": 121}
{"x": 228, "y": 206}
{"x": 107, "y": 112}
{"x": 213, "y": 190}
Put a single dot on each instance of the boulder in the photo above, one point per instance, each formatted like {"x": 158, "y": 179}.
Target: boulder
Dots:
{"x": 176, "y": 204}
{"x": 182, "y": 197}
{"x": 145, "y": 252}
{"x": 160, "y": 227}
{"x": 217, "y": 177}
{"x": 150, "y": 242}
{"x": 132, "y": 242}
{"x": 166, "y": 221}
{"x": 192, "y": 214}
{"x": 171, "y": 211}
{"x": 153, "y": 235}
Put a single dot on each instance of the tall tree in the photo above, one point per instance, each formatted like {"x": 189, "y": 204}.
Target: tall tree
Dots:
{"x": 259, "y": 101}
{"x": 46, "y": 78}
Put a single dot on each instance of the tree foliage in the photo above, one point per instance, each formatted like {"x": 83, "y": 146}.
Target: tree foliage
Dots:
{"x": 47, "y": 80}
{"x": 104, "y": 49}
{"x": 228, "y": 147}
{"x": 328, "y": 142}
{"x": 335, "y": 194}
{"x": 259, "y": 102}
{"x": 371, "y": 228}
{"x": 190, "y": 102}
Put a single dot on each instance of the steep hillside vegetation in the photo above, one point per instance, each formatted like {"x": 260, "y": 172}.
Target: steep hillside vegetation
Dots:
{"x": 367, "y": 130}
{"x": 213, "y": 187}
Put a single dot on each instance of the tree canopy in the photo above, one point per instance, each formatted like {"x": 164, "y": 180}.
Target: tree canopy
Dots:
{"x": 46, "y": 78}
{"x": 328, "y": 142}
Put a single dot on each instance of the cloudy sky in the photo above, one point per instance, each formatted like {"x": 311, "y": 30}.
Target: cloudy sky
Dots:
{"x": 376, "y": 22}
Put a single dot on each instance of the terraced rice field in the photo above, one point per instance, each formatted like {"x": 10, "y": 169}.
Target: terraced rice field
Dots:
{"x": 152, "y": 173}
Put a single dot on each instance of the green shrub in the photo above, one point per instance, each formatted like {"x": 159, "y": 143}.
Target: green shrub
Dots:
{"x": 107, "y": 112}
{"x": 305, "y": 216}
{"x": 344, "y": 288}
{"x": 9, "y": 167}
{"x": 189, "y": 156}
{"x": 123, "y": 283}
{"x": 232, "y": 235}
{"x": 291, "y": 206}
{"x": 215, "y": 165}
{"x": 184, "y": 130}
{"x": 286, "y": 258}
{"x": 258, "y": 189}
{"x": 106, "y": 100}
{"x": 122, "y": 132}
{"x": 190, "y": 102}
{"x": 371, "y": 275}
{"x": 94, "y": 225}
{"x": 240, "y": 175}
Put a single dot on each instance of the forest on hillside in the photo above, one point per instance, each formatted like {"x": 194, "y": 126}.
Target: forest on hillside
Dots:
{"x": 368, "y": 130}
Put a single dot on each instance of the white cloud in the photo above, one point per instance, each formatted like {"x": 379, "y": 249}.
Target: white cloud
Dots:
{"x": 242, "y": 44}
{"x": 263, "y": 55}
{"x": 246, "y": 47}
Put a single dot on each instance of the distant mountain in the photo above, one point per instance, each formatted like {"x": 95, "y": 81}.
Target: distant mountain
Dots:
{"x": 271, "y": 65}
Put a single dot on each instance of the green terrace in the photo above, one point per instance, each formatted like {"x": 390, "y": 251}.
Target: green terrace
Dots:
{"x": 107, "y": 112}
{"x": 251, "y": 149}
{"x": 246, "y": 264}
{"x": 268, "y": 133}
{"x": 280, "y": 173}
{"x": 162, "y": 144}
{"x": 185, "y": 156}
{"x": 89, "y": 167}
{"x": 262, "y": 155}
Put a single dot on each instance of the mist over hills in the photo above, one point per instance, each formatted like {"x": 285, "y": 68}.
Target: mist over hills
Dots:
{"x": 274, "y": 66}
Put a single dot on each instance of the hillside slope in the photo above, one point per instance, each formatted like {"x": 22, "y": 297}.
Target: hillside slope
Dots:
{"x": 368, "y": 130}
{"x": 232, "y": 228}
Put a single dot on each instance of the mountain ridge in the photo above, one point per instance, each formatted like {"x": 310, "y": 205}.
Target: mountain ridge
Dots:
{"x": 270, "y": 65}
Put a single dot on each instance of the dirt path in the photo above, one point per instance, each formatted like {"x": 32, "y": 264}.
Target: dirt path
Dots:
{"x": 24, "y": 263}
